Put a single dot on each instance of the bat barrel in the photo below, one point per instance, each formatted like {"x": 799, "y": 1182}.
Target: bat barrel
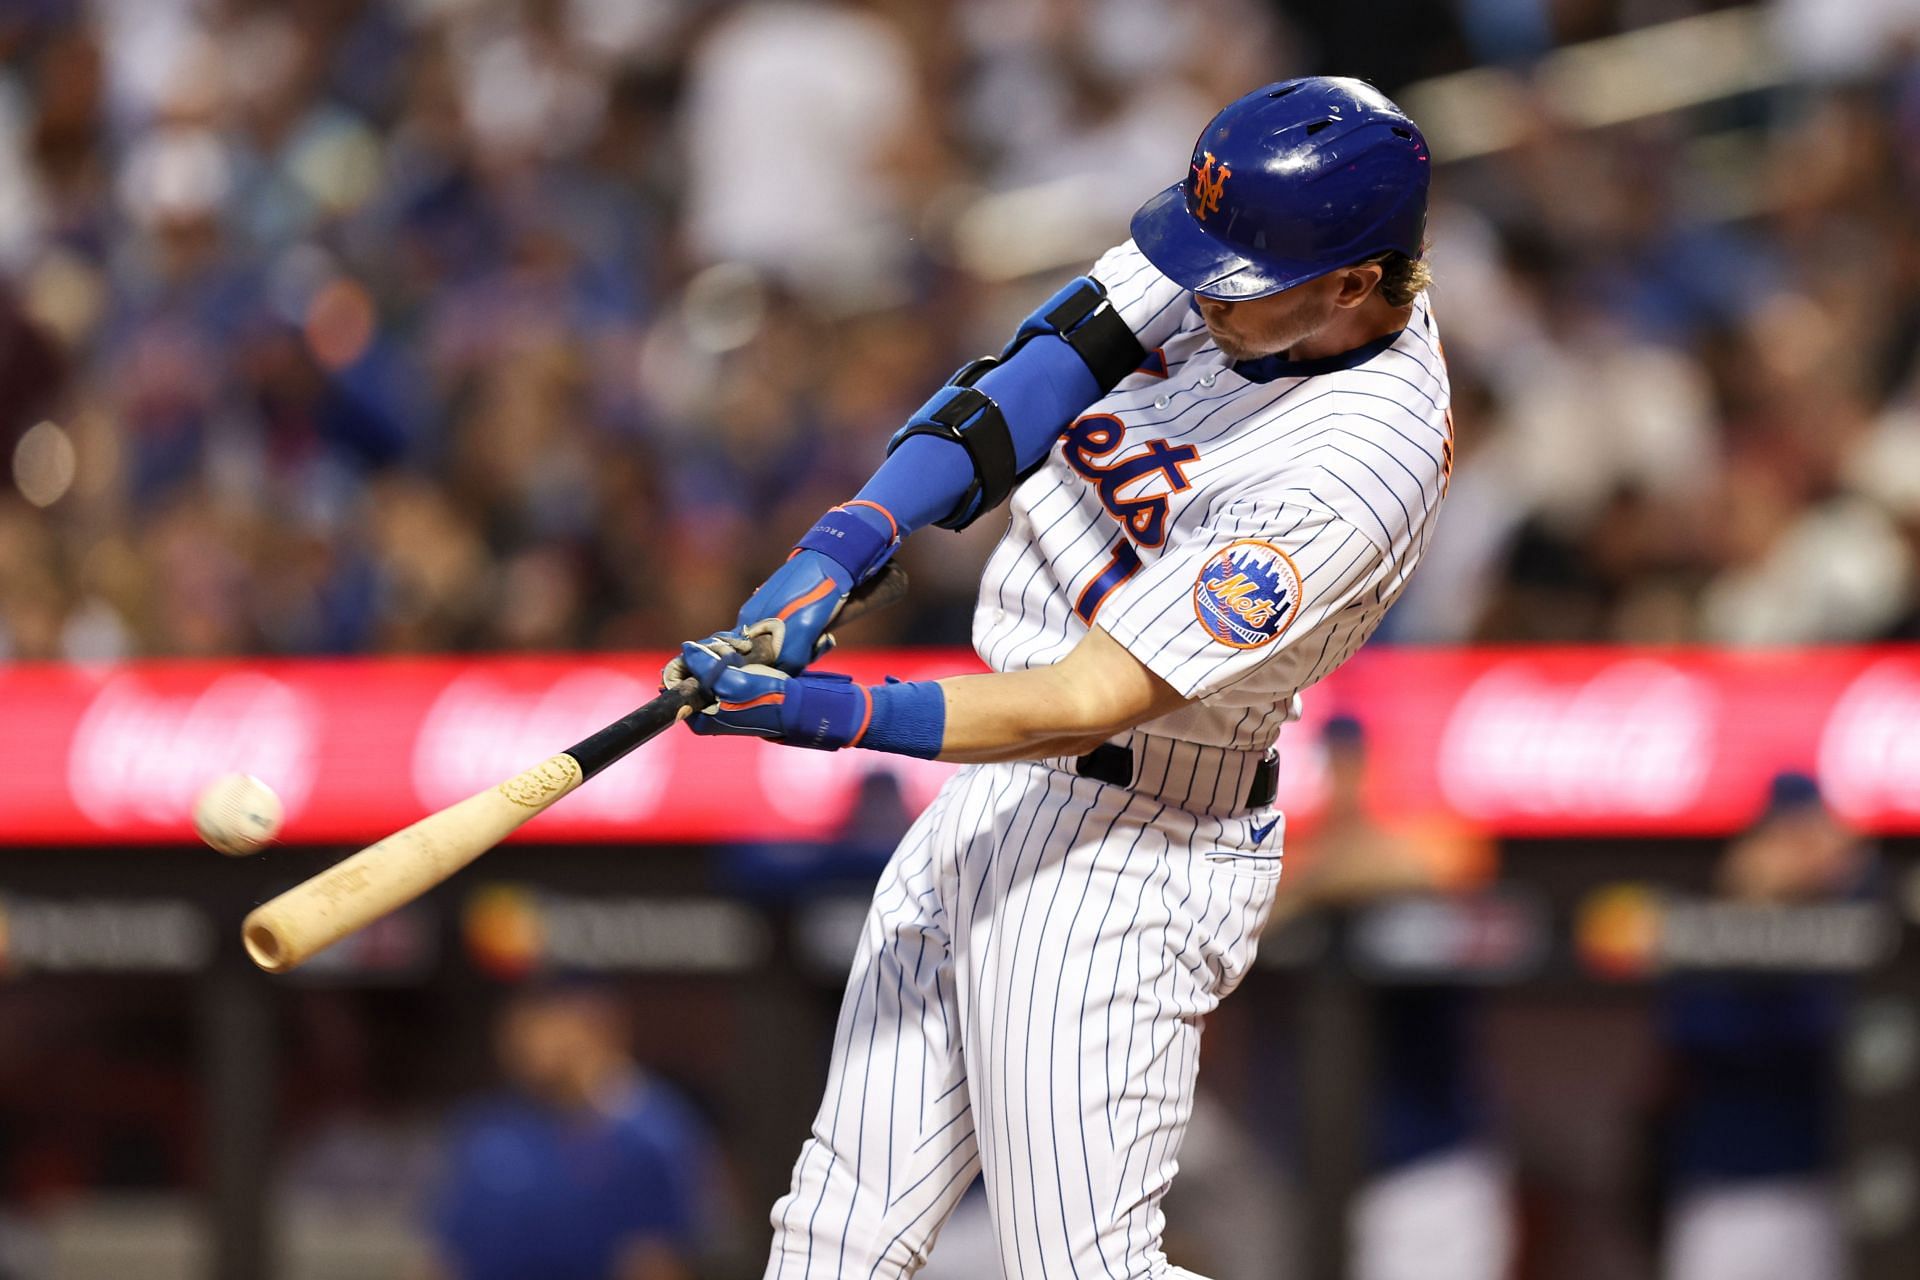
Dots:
{"x": 316, "y": 913}
{"x": 313, "y": 915}
{"x": 265, "y": 945}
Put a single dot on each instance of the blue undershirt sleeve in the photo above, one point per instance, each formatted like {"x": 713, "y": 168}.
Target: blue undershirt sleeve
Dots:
{"x": 1040, "y": 389}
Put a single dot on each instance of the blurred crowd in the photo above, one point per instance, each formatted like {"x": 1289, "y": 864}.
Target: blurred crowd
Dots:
{"x": 339, "y": 326}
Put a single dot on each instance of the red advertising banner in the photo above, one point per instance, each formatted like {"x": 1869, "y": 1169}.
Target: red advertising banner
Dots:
{"x": 1522, "y": 742}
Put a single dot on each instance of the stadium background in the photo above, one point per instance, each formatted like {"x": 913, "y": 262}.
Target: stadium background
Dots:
{"x": 347, "y": 329}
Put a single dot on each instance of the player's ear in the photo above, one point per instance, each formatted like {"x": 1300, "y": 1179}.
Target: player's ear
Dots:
{"x": 1358, "y": 283}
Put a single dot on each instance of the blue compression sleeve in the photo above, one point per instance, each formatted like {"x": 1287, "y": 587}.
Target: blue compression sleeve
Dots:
{"x": 908, "y": 719}
{"x": 1043, "y": 387}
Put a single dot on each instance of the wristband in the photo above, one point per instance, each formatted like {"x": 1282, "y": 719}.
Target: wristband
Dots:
{"x": 908, "y": 719}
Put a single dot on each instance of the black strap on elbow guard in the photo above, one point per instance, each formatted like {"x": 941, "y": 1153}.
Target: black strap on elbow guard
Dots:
{"x": 1087, "y": 321}
{"x": 971, "y": 419}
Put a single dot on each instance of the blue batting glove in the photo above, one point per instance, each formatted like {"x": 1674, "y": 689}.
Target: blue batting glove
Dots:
{"x": 824, "y": 712}
{"x": 845, "y": 547}
{"x": 797, "y": 605}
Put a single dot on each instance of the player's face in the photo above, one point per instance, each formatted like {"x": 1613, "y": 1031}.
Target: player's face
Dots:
{"x": 544, "y": 1043}
{"x": 1267, "y": 326}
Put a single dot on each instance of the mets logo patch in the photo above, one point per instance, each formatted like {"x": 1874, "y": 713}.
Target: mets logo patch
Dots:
{"x": 1207, "y": 184}
{"x": 1247, "y": 594}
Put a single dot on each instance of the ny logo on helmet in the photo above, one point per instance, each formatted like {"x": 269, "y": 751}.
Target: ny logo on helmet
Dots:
{"x": 1206, "y": 186}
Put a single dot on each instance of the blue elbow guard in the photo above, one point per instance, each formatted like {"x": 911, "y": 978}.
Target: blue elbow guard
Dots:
{"x": 1085, "y": 319}
{"x": 969, "y": 417}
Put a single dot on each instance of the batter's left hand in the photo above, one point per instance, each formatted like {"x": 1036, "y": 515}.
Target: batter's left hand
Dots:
{"x": 822, "y": 711}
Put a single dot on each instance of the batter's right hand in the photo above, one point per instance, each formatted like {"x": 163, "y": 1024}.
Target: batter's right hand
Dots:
{"x": 797, "y": 605}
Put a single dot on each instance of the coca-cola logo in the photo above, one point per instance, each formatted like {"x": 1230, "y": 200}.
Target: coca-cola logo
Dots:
{"x": 1634, "y": 740}
{"x": 1870, "y": 748}
{"x": 479, "y": 732}
{"x": 141, "y": 756}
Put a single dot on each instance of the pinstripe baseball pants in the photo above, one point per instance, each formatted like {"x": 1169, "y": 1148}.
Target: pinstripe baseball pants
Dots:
{"x": 1026, "y": 1003}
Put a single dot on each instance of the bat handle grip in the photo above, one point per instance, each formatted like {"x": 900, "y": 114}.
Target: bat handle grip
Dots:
{"x": 676, "y": 702}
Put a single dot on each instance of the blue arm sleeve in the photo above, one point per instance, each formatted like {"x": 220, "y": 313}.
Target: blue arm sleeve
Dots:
{"x": 1040, "y": 389}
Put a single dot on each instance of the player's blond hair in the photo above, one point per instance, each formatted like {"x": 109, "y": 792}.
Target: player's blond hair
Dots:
{"x": 1402, "y": 279}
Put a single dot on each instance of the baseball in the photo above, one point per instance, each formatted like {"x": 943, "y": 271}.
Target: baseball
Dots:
{"x": 237, "y": 814}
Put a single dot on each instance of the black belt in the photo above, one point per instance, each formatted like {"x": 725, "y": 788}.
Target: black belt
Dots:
{"x": 1111, "y": 762}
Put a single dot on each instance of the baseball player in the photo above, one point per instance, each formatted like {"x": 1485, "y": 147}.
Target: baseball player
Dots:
{"x": 1222, "y": 451}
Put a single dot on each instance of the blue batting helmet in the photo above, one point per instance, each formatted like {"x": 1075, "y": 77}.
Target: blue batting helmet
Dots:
{"x": 1288, "y": 183}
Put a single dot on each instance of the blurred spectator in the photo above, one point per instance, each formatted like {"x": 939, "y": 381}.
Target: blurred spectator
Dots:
{"x": 1352, "y": 856}
{"x": 1755, "y": 1109}
{"x": 363, "y": 325}
{"x": 590, "y": 1170}
{"x": 864, "y": 837}
{"x": 1437, "y": 1204}
{"x": 1845, "y": 39}
{"x": 795, "y": 172}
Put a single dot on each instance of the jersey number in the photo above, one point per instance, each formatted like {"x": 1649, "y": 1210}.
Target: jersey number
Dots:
{"x": 1123, "y": 564}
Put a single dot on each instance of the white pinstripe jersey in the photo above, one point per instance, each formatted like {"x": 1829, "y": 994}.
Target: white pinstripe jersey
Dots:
{"x": 1240, "y": 531}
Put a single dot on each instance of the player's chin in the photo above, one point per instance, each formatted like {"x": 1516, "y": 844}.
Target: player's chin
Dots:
{"x": 1230, "y": 347}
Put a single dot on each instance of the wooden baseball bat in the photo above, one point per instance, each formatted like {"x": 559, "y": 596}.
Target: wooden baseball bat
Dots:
{"x": 318, "y": 912}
